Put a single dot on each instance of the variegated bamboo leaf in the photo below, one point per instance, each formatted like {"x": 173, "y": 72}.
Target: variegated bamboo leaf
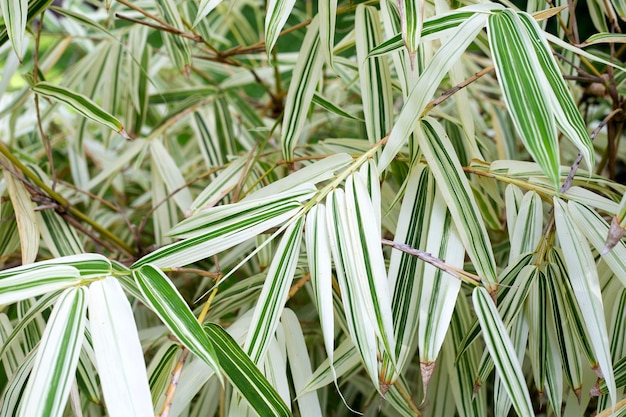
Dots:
{"x": 274, "y": 293}
{"x": 205, "y": 7}
{"x": 15, "y": 14}
{"x": 562, "y": 104}
{"x": 502, "y": 352}
{"x": 362, "y": 333}
{"x": 374, "y": 75}
{"x": 25, "y": 217}
{"x": 320, "y": 268}
{"x": 427, "y": 83}
{"x": 81, "y": 104}
{"x": 53, "y": 371}
{"x": 244, "y": 374}
{"x": 165, "y": 300}
{"x": 278, "y": 12}
{"x": 519, "y": 74}
{"x": 412, "y": 20}
{"x": 456, "y": 190}
{"x": 439, "y": 290}
{"x": 306, "y": 74}
{"x": 584, "y": 278}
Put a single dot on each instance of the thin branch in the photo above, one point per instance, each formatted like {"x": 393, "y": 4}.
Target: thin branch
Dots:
{"x": 438, "y": 263}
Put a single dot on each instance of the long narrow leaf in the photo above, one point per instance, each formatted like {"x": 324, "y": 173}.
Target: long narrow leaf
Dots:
{"x": 53, "y": 371}
{"x": 15, "y": 14}
{"x": 168, "y": 304}
{"x": 278, "y": 12}
{"x": 81, "y": 104}
{"x": 274, "y": 294}
{"x": 584, "y": 279}
{"x": 115, "y": 341}
{"x": 244, "y": 374}
{"x": 502, "y": 351}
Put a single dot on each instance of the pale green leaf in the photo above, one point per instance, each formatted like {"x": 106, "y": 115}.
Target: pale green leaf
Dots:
{"x": 412, "y": 20}
{"x": 205, "y": 7}
{"x": 24, "y": 216}
{"x": 327, "y": 11}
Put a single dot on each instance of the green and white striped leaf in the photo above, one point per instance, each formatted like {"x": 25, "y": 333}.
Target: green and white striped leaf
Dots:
{"x": 165, "y": 300}
{"x": 32, "y": 283}
{"x": 320, "y": 268}
{"x": 35, "y": 7}
{"x": 118, "y": 352}
{"x": 304, "y": 80}
{"x": 439, "y": 290}
{"x": 367, "y": 259}
{"x": 604, "y": 37}
{"x": 244, "y": 374}
{"x": 584, "y": 278}
{"x": 566, "y": 113}
{"x": 177, "y": 46}
{"x": 24, "y": 216}
{"x": 405, "y": 271}
{"x": 59, "y": 237}
{"x": 528, "y": 226}
{"x": 459, "y": 197}
{"x": 273, "y": 296}
{"x": 298, "y": 357}
{"x": 219, "y": 187}
{"x": 81, "y": 104}
{"x": 361, "y": 331}
{"x": 223, "y": 227}
{"x": 427, "y": 84}
{"x": 595, "y": 229}
{"x": 205, "y": 7}
{"x": 327, "y": 11}
{"x": 50, "y": 381}
{"x": 15, "y": 14}
{"x": 412, "y": 20}
{"x": 333, "y": 108}
{"x": 278, "y": 12}
{"x": 536, "y": 314}
{"x": 374, "y": 75}
{"x": 502, "y": 351}
{"x": 519, "y": 74}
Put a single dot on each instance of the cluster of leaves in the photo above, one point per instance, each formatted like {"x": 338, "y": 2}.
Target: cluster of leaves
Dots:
{"x": 331, "y": 207}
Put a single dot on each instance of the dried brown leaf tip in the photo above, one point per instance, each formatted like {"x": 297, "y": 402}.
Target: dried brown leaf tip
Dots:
{"x": 616, "y": 231}
{"x": 427, "y": 368}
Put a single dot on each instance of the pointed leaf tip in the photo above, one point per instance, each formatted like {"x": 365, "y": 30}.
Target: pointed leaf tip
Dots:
{"x": 616, "y": 232}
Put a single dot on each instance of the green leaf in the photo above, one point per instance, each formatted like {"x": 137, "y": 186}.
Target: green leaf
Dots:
{"x": 50, "y": 381}
{"x": 15, "y": 14}
{"x": 205, "y": 7}
{"x": 244, "y": 374}
{"x": 274, "y": 293}
{"x": 519, "y": 74}
{"x": 34, "y": 9}
{"x": 36, "y": 282}
{"x": 165, "y": 300}
{"x": 502, "y": 351}
{"x": 81, "y": 104}
{"x": 584, "y": 278}
{"x": 118, "y": 351}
